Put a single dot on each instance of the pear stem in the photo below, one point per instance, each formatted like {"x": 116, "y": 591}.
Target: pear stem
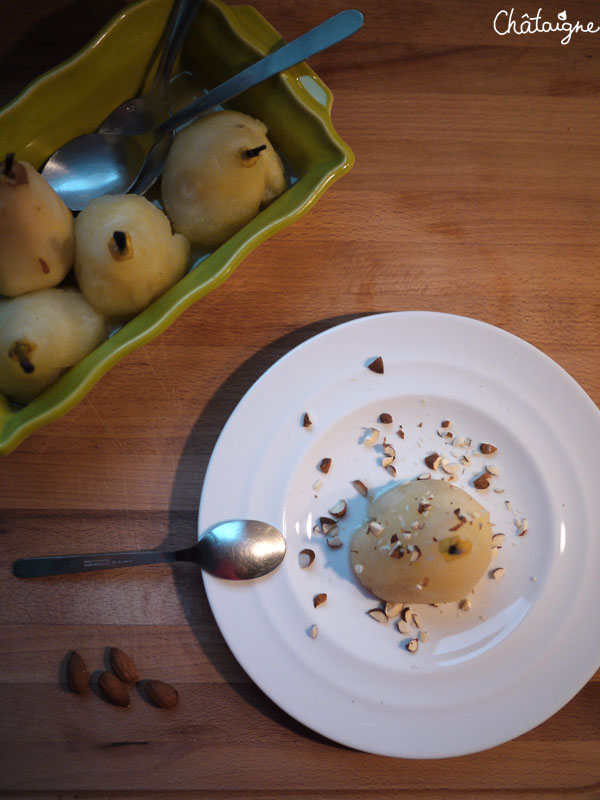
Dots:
{"x": 120, "y": 246}
{"x": 21, "y": 351}
{"x": 254, "y": 151}
{"x": 8, "y": 164}
{"x": 120, "y": 238}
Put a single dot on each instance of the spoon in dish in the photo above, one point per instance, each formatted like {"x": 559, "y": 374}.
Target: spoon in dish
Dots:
{"x": 97, "y": 164}
{"x": 142, "y": 114}
{"x": 238, "y": 550}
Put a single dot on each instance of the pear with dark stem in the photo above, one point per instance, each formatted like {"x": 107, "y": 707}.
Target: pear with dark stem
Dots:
{"x": 126, "y": 254}
{"x": 42, "y": 334}
{"x": 36, "y": 231}
{"x": 220, "y": 172}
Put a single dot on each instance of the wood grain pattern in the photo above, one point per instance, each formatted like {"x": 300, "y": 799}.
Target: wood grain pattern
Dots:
{"x": 475, "y": 193}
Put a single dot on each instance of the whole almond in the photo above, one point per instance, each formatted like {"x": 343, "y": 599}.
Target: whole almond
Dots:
{"x": 161, "y": 694}
{"x": 123, "y": 666}
{"x": 113, "y": 689}
{"x": 77, "y": 674}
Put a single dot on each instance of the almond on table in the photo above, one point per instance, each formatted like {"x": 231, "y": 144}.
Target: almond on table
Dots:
{"x": 123, "y": 666}
{"x": 77, "y": 673}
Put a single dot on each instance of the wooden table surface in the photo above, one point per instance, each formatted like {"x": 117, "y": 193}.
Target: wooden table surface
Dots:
{"x": 475, "y": 192}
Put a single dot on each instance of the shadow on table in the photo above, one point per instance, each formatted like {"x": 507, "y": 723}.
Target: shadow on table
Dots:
{"x": 182, "y": 525}
{"x": 50, "y": 40}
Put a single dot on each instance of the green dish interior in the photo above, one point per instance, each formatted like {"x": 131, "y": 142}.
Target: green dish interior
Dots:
{"x": 76, "y": 96}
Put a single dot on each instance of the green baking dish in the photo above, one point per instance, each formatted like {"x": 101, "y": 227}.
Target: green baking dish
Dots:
{"x": 76, "y": 96}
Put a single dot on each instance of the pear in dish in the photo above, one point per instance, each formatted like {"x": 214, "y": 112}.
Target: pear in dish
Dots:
{"x": 36, "y": 231}
{"x": 41, "y": 334}
{"x": 126, "y": 254}
{"x": 220, "y": 171}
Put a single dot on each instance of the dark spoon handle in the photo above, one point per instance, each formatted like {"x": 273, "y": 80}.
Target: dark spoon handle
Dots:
{"x": 182, "y": 14}
{"x": 63, "y": 565}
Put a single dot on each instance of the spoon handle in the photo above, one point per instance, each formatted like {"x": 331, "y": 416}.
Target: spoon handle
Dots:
{"x": 328, "y": 33}
{"x": 182, "y": 13}
{"x": 63, "y": 565}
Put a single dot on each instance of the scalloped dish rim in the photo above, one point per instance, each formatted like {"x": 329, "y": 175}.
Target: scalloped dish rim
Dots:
{"x": 249, "y": 27}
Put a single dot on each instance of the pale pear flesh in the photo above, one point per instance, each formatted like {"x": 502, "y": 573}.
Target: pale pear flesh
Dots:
{"x": 432, "y": 543}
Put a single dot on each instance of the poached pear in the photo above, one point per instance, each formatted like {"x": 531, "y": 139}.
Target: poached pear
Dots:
{"x": 126, "y": 254}
{"x": 219, "y": 172}
{"x": 432, "y": 543}
{"x": 36, "y": 231}
{"x": 41, "y": 334}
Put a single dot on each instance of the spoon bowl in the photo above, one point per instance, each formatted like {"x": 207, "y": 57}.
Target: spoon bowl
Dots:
{"x": 93, "y": 165}
{"x": 237, "y": 550}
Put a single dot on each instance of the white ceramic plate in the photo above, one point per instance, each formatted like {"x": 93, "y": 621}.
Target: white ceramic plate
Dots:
{"x": 530, "y": 640}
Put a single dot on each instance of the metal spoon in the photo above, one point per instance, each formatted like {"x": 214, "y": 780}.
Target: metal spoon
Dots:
{"x": 238, "y": 549}
{"x": 142, "y": 114}
{"x": 97, "y": 163}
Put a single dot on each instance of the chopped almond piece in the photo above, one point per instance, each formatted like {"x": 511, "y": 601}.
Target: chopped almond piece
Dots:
{"x": 376, "y": 365}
